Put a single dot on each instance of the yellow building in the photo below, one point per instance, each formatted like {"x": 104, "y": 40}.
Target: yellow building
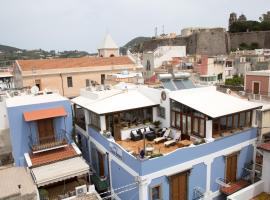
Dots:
{"x": 68, "y": 75}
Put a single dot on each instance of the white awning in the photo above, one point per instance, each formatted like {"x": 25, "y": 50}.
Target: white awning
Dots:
{"x": 59, "y": 171}
{"x": 211, "y": 102}
{"x": 131, "y": 99}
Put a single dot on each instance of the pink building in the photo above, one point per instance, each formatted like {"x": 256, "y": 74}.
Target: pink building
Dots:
{"x": 258, "y": 82}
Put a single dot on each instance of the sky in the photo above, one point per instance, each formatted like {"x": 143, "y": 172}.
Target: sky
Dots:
{"x": 82, "y": 24}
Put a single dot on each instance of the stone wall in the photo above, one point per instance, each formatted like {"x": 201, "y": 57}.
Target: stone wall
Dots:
{"x": 211, "y": 41}
{"x": 262, "y": 38}
{"x": 205, "y": 42}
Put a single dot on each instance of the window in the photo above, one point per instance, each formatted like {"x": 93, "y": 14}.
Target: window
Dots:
{"x": 95, "y": 120}
{"x": 173, "y": 119}
{"x": 87, "y": 82}
{"x": 102, "y": 77}
{"x": 161, "y": 112}
{"x": 156, "y": 193}
{"x": 69, "y": 81}
{"x": 148, "y": 65}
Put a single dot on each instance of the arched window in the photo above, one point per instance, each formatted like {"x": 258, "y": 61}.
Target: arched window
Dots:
{"x": 112, "y": 55}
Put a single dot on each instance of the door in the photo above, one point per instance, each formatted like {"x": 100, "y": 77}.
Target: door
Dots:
{"x": 116, "y": 127}
{"x": 231, "y": 168}
{"x": 101, "y": 164}
{"x": 38, "y": 83}
{"x": 178, "y": 186}
{"x": 45, "y": 131}
{"x": 102, "y": 77}
{"x": 256, "y": 87}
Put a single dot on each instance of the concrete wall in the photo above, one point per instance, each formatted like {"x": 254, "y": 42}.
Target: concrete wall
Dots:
{"x": 248, "y": 192}
{"x": 20, "y": 129}
{"x": 58, "y": 81}
{"x": 3, "y": 115}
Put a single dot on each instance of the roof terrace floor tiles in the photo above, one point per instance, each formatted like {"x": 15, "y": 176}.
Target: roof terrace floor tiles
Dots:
{"x": 136, "y": 146}
{"x": 265, "y": 146}
{"x": 234, "y": 187}
{"x": 52, "y": 156}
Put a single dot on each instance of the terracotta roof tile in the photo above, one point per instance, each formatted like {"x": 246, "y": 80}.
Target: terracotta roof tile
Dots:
{"x": 59, "y": 63}
{"x": 265, "y": 146}
{"x": 234, "y": 187}
{"x": 52, "y": 156}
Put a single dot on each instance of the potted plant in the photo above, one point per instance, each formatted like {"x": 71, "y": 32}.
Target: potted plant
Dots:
{"x": 106, "y": 134}
{"x": 157, "y": 124}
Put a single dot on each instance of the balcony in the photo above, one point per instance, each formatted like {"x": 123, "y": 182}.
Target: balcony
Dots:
{"x": 58, "y": 140}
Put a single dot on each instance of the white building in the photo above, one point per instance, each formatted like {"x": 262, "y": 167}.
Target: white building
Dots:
{"x": 155, "y": 59}
{"x": 108, "y": 48}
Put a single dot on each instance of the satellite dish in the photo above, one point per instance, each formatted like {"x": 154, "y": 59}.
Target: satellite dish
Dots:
{"x": 34, "y": 90}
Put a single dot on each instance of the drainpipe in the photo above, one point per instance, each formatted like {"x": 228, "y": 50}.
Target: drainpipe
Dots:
{"x": 109, "y": 175}
{"x": 62, "y": 84}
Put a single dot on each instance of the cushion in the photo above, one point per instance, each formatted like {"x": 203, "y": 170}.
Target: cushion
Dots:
{"x": 142, "y": 130}
{"x": 134, "y": 132}
{"x": 147, "y": 129}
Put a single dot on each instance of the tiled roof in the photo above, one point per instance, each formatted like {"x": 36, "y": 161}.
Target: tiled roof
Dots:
{"x": 265, "y": 146}
{"x": 52, "y": 156}
{"x": 59, "y": 63}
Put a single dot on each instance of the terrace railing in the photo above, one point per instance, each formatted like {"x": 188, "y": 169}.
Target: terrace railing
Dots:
{"x": 57, "y": 140}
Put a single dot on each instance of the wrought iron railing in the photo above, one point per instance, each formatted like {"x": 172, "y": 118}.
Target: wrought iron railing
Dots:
{"x": 198, "y": 193}
{"x": 58, "y": 139}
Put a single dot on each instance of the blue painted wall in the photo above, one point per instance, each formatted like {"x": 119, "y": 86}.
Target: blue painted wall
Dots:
{"x": 20, "y": 131}
{"x": 245, "y": 157}
{"x": 84, "y": 146}
{"x": 164, "y": 183}
{"x": 122, "y": 178}
{"x": 197, "y": 178}
{"x": 186, "y": 154}
{"x": 180, "y": 156}
{"x": 219, "y": 164}
{"x": 217, "y": 171}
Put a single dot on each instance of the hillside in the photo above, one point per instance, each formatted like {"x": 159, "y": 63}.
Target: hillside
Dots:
{"x": 5, "y": 48}
{"x": 134, "y": 43}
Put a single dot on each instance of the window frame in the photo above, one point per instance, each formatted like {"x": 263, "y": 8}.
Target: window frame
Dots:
{"x": 160, "y": 191}
{"x": 69, "y": 82}
{"x": 161, "y": 114}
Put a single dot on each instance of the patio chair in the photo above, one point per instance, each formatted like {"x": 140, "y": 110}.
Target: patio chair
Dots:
{"x": 135, "y": 136}
{"x": 150, "y": 134}
{"x": 161, "y": 131}
{"x": 164, "y": 137}
{"x": 174, "y": 141}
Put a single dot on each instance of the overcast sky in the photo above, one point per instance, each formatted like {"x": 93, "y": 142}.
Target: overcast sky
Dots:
{"x": 82, "y": 24}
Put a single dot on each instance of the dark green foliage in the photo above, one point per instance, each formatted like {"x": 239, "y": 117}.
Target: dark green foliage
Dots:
{"x": 235, "y": 81}
{"x": 252, "y": 46}
{"x": 246, "y": 26}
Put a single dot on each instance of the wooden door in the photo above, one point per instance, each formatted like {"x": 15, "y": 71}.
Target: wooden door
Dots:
{"x": 116, "y": 127}
{"x": 101, "y": 164}
{"x": 231, "y": 168}
{"x": 178, "y": 186}
{"x": 256, "y": 88}
{"x": 45, "y": 131}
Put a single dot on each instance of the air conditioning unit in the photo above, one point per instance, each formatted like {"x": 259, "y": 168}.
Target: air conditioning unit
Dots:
{"x": 81, "y": 190}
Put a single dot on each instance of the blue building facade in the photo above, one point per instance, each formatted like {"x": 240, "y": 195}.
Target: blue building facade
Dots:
{"x": 23, "y": 132}
{"x": 206, "y": 163}
{"x": 197, "y": 171}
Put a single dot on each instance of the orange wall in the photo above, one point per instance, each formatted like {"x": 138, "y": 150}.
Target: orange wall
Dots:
{"x": 264, "y": 83}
